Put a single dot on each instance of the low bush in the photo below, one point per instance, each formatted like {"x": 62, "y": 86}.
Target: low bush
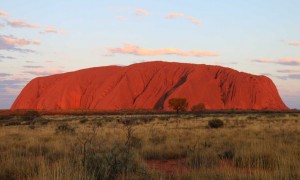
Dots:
{"x": 215, "y": 123}
{"x": 227, "y": 154}
{"x": 109, "y": 164}
{"x": 65, "y": 128}
{"x": 30, "y": 115}
{"x": 12, "y": 123}
{"x": 119, "y": 159}
{"x": 84, "y": 120}
{"x": 157, "y": 138}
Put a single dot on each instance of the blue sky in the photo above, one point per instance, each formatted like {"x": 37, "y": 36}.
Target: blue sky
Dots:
{"x": 39, "y": 38}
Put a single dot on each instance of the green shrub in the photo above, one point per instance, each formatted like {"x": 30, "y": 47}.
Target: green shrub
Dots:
{"x": 110, "y": 163}
{"x": 120, "y": 159}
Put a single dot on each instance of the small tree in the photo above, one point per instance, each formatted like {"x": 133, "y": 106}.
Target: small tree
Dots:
{"x": 30, "y": 115}
{"x": 198, "y": 108}
{"x": 178, "y": 104}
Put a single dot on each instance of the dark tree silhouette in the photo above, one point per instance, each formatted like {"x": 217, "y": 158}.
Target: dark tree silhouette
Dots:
{"x": 178, "y": 104}
{"x": 198, "y": 108}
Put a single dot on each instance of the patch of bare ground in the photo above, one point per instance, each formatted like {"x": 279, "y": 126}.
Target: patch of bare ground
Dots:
{"x": 170, "y": 167}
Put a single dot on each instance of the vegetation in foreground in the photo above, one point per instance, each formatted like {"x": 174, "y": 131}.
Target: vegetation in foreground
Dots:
{"x": 244, "y": 146}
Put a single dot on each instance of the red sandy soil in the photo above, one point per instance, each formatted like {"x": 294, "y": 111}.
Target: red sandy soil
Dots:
{"x": 150, "y": 85}
{"x": 171, "y": 167}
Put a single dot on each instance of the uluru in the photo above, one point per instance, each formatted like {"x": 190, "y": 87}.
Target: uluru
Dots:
{"x": 150, "y": 85}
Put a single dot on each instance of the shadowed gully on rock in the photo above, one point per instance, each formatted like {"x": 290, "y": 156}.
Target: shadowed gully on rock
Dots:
{"x": 150, "y": 85}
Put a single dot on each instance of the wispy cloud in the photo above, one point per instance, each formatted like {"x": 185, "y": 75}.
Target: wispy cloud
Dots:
{"x": 53, "y": 30}
{"x": 21, "y": 24}
{"x": 193, "y": 20}
{"x": 141, "y": 12}
{"x": 4, "y": 74}
{"x": 294, "y": 43}
{"x": 10, "y": 86}
{"x": 294, "y": 76}
{"x": 12, "y": 43}
{"x": 284, "y": 61}
{"x": 6, "y": 57}
{"x": 174, "y": 15}
{"x": 139, "y": 51}
{"x": 2, "y": 25}
{"x": 288, "y": 71}
{"x": 120, "y": 18}
{"x": 262, "y": 60}
{"x": 290, "y": 76}
{"x": 9, "y": 89}
{"x": 44, "y": 72}
{"x": 33, "y": 67}
{"x": 3, "y": 13}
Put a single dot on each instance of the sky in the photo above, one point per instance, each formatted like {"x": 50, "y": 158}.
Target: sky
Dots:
{"x": 40, "y": 38}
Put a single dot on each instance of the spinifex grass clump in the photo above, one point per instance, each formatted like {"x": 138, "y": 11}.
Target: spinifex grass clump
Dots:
{"x": 257, "y": 158}
{"x": 205, "y": 158}
{"x": 65, "y": 128}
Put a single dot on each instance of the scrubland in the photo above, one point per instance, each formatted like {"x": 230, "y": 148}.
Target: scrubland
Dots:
{"x": 246, "y": 146}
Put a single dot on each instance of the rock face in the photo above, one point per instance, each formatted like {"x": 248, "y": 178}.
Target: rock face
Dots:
{"x": 149, "y": 86}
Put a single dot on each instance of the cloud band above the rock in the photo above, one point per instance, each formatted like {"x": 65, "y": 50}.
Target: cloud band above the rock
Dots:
{"x": 140, "y": 51}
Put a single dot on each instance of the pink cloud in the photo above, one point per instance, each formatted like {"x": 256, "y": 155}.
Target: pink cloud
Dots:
{"x": 284, "y": 61}
{"x": 193, "y": 20}
{"x": 120, "y": 18}
{"x": 44, "y": 72}
{"x": 3, "y": 13}
{"x": 139, "y": 51}
{"x": 294, "y": 43}
{"x": 13, "y": 41}
{"x": 53, "y": 30}
{"x": 175, "y": 15}
{"x": 141, "y": 12}
{"x": 289, "y": 61}
{"x": 21, "y": 24}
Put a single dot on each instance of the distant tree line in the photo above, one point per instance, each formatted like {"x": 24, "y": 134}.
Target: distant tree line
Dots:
{"x": 180, "y": 104}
